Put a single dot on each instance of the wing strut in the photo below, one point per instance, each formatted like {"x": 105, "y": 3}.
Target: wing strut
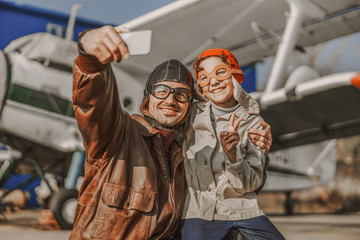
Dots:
{"x": 299, "y": 9}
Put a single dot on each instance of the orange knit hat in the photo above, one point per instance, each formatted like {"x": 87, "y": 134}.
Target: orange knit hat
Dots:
{"x": 224, "y": 53}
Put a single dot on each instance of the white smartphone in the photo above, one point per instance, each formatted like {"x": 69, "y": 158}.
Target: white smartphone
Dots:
{"x": 138, "y": 42}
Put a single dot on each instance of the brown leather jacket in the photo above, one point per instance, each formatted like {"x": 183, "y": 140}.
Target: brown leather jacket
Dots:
{"x": 130, "y": 189}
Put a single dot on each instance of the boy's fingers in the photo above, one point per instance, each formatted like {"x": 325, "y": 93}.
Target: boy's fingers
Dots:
{"x": 230, "y": 146}
{"x": 224, "y": 133}
{"x": 237, "y": 122}
{"x": 232, "y": 138}
{"x": 231, "y": 123}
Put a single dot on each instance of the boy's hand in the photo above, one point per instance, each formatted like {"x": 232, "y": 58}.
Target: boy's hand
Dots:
{"x": 230, "y": 138}
{"x": 261, "y": 138}
{"x": 105, "y": 44}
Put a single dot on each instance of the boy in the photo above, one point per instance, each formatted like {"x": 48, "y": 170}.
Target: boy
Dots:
{"x": 223, "y": 167}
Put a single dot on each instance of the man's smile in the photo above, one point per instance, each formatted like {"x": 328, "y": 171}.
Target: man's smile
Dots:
{"x": 168, "y": 110}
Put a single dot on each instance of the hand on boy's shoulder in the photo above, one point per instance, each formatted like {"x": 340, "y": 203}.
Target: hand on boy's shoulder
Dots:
{"x": 261, "y": 137}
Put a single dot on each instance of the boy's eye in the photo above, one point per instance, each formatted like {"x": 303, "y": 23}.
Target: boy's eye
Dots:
{"x": 221, "y": 72}
{"x": 203, "y": 77}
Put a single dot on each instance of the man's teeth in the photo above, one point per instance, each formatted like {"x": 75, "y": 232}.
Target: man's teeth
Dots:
{"x": 168, "y": 110}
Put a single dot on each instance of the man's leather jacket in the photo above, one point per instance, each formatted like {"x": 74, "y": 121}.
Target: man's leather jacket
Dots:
{"x": 131, "y": 190}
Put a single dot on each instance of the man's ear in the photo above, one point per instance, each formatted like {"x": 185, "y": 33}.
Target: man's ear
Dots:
{"x": 145, "y": 108}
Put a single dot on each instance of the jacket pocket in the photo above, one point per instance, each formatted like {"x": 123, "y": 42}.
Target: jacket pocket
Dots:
{"x": 120, "y": 209}
{"x": 116, "y": 196}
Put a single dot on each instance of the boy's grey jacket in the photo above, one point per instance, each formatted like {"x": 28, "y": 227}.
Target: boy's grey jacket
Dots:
{"x": 229, "y": 195}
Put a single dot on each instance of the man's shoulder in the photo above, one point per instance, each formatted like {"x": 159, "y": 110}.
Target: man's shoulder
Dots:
{"x": 144, "y": 126}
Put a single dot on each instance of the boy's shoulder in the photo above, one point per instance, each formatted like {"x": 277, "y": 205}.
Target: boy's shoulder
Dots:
{"x": 200, "y": 106}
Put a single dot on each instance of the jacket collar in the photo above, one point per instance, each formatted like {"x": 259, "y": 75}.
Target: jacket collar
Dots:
{"x": 250, "y": 105}
{"x": 146, "y": 129}
{"x": 206, "y": 106}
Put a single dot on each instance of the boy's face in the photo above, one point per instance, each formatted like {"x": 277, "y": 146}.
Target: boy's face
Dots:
{"x": 220, "y": 92}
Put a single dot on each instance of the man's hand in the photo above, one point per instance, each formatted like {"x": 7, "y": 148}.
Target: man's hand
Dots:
{"x": 261, "y": 138}
{"x": 105, "y": 44}
{"x": 230, "y": 138}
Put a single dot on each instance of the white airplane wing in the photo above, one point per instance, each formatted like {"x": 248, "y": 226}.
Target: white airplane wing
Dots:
{"x": 314, "y": 111}
{"x": 248, "y": 28}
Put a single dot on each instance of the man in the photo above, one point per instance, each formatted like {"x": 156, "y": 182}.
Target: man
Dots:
{"x": 134, "y": 184}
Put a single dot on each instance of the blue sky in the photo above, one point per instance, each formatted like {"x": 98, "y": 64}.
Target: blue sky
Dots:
{"x": 105, "y": 11}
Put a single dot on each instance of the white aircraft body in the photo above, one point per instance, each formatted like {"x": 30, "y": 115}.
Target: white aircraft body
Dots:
{"x": 305, "y": 110}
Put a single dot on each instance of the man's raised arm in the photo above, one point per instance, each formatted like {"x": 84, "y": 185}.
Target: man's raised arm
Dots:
{"x": 95, "y": 94}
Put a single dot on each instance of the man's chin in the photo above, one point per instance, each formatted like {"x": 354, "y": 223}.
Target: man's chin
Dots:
{"x": 168, "y": 124}
{"x": 168, "y": 121}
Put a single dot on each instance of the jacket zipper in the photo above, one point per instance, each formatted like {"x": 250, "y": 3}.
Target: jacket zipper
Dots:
{"x": 164, "y": 157}
{"x": 170, "y": 182}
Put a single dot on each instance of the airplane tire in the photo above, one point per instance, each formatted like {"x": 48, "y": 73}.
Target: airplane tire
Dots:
{"x": 63, "y": 205}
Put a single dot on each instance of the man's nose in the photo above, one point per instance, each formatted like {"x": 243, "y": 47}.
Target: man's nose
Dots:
{"x": 171, "y": 98}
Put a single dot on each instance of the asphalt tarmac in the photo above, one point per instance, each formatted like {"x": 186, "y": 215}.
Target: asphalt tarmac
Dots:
{"x": 19, "y": 226}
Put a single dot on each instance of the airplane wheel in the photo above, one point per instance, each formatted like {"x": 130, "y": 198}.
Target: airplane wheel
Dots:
{"x": 63, "y": 205}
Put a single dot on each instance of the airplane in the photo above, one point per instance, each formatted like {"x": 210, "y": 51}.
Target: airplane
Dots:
{"x": 36, "y": 115}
